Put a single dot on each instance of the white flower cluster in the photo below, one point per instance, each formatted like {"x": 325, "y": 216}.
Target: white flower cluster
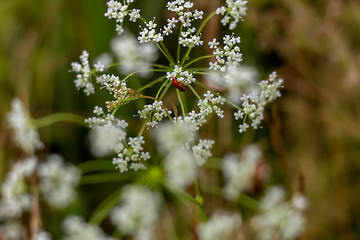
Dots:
{"x": 279, "y": 218}
{"x": 76, "y": 229}
{"x": 106, "y": 121}
{"x": 156, "y": 112}
{"x": 148, "y": 33}
{"x": 133, "y": 56}
{"x": 110, "y": 82}
{"x": 181, "y": 76}
{"x": 83, "y": 76}
{"x": 57, "y": 181}
{"x": 139, "y": 209}
{"x": 202, "y": 151}
{"x": 234, "y": 11}
{"x": 25, "y": 134}
{"x": 208, "y": 105}
{"x": 221, "y": 226}
{"x": 239, "y": 171}
{"x": 172, "y": 141}
{"x": 118, "y": 11}
{"x": 131, "y": 156}
{"x": 188, "y": 37}
{"x": 228, "y": 55}
{"x": 253, "y": 104}
{"x": 14, "y": 192}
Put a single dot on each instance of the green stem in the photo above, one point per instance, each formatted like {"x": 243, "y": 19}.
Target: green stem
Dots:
{"x": 59, "y": 117}
{"x": 107, "y": 177}
{"x": 178, "y": 47}
{"x": 160, "y": 89}
{"x": 181, "y": 102}
{"x": 151, "y": 83}
{"x": 197, "y": 59}
{"x": 165, "y": 90}
{"x": 165, "y": 54}
{"x": 103, "y": 210}
{"x": 193, "y": 90}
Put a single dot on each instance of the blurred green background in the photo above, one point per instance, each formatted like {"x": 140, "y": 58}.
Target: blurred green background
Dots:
{"x": 313, "y": 130}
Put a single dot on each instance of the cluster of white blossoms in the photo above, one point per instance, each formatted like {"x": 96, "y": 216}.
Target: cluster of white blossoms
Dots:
{"x": 133, "y": 56}
{"x": 76, "y": 228}
{"x": 202, "y": 150}
{"x": 188, "y": 36}
{"x": 155, "y": 112}
{"x": 26, "y": 135}
{"x": 131, "y": 155}
{"x": 83, "y": 76}
{"x": 15, "y": 195}
{"x": 181, "y": 75}
{"x": 221, "y": 226}
{"x": 118, "y": 11}
{"x": 253, "y": 104}
{"x": 239, "y": 171}
{"x": 228, "y": 55}
{"x": 139, "y": 210}
{"x": 279, "y": 218}
{"x": 234, "y": 11}
{"x": 57, "y": 181}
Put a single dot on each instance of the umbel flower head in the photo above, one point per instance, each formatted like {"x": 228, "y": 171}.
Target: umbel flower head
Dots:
{"x": 25, "y": 134}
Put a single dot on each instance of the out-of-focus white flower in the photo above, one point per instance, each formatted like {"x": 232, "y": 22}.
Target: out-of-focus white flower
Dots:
{"x": 104, "y": 139}
{"x": 57, "y": 181}
{"x": 170, "y": 137}
{"x": 12, "y": 230}
{"x": 134, "y": 56}
{"x": 278, "y": 218}
{"x": 241, "y": 80}
{"x": 25, "y": 134}
{"x": 239, "y": 170}
{"x": 139, "y": 209}
{"x": 42, "y": 235}
{"x": 76, "y": 229}
{"x": 180, "y": 167}
{"x": 15, "y": 196}
{"x": 104, "y": 59}
{"x": 221, "y": 226}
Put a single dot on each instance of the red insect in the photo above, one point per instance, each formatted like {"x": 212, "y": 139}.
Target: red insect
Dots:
{"x": 179, "y": 85}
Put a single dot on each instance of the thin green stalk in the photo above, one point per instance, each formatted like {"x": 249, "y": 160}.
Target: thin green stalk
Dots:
{"x": 181, "y": 102}
{"x": 103, "y": 210}
{"x": 160, "y": 89}
{"x": 169, "y": 58}
{"x": 178, "y": 47}
{"x": 159, "y": 79}
{"x": 197, "y": 59}
{"x": 59, "y": 117}
{"x": 167, "y": 52}
{"x": 193, "y": 90}
{"x": 143, "y": 127}
{"x": 165, "y": 90}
